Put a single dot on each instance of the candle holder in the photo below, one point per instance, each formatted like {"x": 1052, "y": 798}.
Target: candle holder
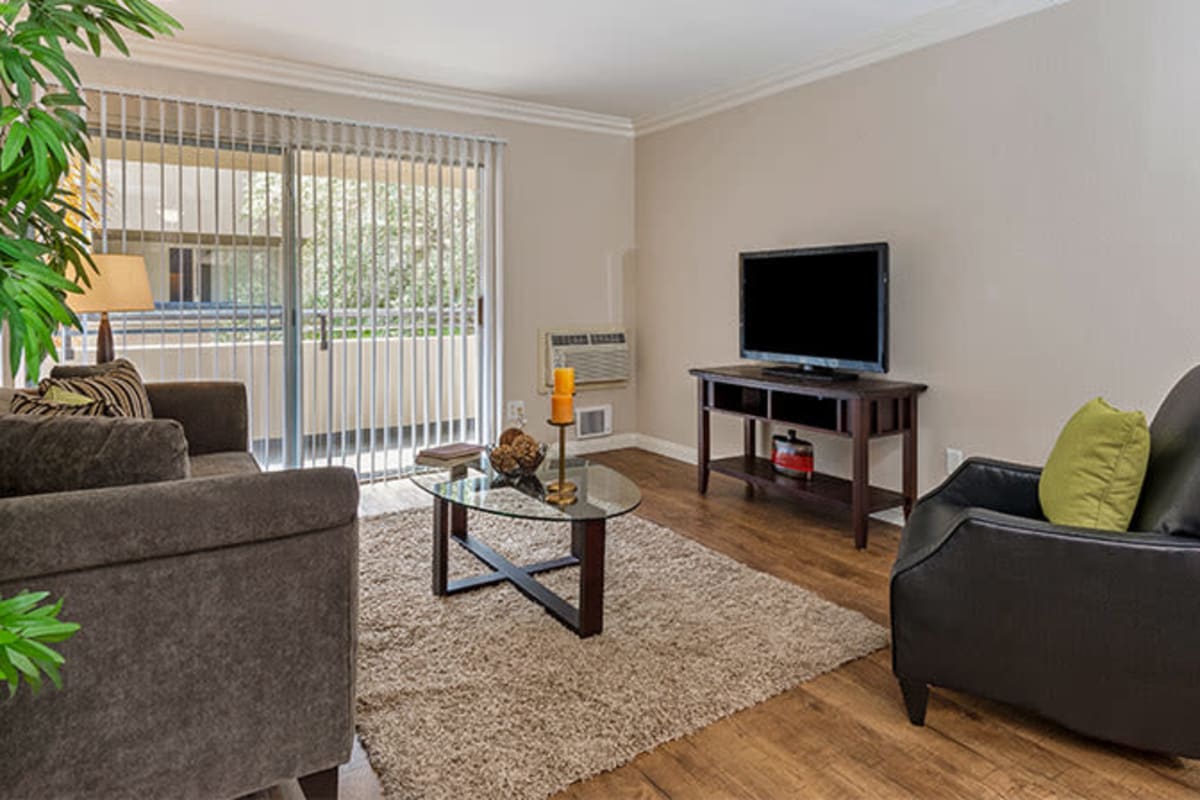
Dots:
{"x": 561, "y": 492}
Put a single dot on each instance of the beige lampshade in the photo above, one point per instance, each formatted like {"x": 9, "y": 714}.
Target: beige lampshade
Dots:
{"x": 121, "y": 285}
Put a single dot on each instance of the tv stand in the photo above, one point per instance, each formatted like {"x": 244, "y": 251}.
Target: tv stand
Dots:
{"x": 824, "y": 374}
{"x": 859, "y": 410}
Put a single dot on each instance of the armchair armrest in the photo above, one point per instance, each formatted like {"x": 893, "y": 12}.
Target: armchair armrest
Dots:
{"x": 999, "y": 487}
{"x": 213, "y": 413}
{"x": 987, "y": 483}
{"x": 65, "y": 531}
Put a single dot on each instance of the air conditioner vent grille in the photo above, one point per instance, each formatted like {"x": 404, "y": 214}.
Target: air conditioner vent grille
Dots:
{"x": 598, "y": 356}
{"x": 608, "y": 338}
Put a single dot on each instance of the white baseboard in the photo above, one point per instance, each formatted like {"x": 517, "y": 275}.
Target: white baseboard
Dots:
{"x": 619, "y": 441}
{"x": 663, "y": 447}
{"x": 892, "y": 516}
{"x": 652, "y": 444}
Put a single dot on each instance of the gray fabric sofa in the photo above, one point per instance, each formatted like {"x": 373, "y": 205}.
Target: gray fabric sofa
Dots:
{"x": 219, "y": 622}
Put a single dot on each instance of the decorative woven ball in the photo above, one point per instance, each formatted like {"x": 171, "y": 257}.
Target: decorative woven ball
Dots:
{"x": 504, "y": 458}
{"x": 511, "y": 435}
{"x": 525, "y": 448}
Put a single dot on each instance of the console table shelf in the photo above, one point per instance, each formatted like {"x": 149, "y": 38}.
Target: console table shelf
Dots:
{"x": 859, "y": 410}
{"x": 822, "y": 487}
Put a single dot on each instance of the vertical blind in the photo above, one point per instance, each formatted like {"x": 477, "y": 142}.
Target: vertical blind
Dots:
{"x": 348, "y": 274}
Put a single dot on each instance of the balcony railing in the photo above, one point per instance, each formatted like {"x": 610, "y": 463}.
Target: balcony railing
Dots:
{"x": 228, "y": 321}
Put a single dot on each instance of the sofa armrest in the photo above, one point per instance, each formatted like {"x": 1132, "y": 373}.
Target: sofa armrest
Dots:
{"x": 219, "y": 635}
{"x": 60, "y": 532}
{"x": 213, "y": 413}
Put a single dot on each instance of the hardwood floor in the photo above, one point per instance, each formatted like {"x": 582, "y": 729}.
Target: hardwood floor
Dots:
{"x": 844, "y": 734}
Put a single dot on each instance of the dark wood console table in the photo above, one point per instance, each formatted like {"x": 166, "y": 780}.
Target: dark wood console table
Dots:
{"x": 859, "y": 410}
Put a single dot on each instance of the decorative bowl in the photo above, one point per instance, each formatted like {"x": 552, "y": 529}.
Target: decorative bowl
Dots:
{"x": 519, "y": 472}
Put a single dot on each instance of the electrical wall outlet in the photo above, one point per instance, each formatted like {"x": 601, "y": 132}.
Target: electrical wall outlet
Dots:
{"x": 514, "y": 409}
{"x": 953, "y": 459}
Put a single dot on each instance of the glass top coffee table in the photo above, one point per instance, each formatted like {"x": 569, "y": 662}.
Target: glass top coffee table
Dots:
{"x": 602, "y": 494}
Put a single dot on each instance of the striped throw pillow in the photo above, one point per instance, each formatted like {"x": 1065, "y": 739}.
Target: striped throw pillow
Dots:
{"x": 36, "y": 406}
{"x": 116, "y": 384}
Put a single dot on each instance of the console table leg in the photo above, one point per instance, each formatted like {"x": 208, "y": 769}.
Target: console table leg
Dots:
{"x": 749, "y": 449}
{"x": 441, "y": 544}
{"x": 702, "y": 440}
{"x": 910, "y": 458}
{"x": 590, "y": 535}
{"x": 861, "y": 416}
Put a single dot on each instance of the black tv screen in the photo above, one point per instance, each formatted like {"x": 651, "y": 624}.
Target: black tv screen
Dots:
{"x": 823, "y": 307}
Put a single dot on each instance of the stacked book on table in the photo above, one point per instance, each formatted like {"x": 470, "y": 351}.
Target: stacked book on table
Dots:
{"x": 449, "y": 456}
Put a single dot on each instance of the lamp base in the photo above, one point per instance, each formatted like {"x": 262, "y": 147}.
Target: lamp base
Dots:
{"x": 104, "y": 341}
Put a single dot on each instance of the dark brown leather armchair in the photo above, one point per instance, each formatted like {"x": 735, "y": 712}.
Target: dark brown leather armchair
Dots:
{"x": 1095, "y": 630}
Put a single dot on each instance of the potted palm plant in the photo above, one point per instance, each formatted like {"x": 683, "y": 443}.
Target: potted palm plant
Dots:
{"x": 43, "y": 249}
{"x": 43, "y": 246}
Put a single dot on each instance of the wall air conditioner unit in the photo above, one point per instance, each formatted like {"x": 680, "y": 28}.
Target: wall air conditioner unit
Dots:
{"x": 600, "y": 356}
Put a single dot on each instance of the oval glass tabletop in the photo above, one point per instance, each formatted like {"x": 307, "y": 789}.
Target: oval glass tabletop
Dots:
{"x": 601, "y": 493}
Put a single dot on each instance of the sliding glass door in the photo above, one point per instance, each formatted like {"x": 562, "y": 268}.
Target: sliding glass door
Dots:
{"x": 388, "y": 272}
{"x": 347, "y": 274}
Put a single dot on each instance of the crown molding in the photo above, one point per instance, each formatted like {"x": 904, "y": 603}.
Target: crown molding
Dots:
{"x": 281, "y": 72}
{"x": 959, "y": 19}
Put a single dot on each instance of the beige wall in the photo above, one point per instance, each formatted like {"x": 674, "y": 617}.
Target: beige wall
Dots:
{"x": 1039, "y": 183}
{"x": 568, "y": 212}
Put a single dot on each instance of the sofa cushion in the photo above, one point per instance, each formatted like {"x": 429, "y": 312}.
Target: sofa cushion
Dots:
{"x": 229, "y": 463}
{"x": 1170, "y": 502}
{"x": 117, "y": 383}
{"x": 1094, "y": 475}
{"x": 59, "y": 454}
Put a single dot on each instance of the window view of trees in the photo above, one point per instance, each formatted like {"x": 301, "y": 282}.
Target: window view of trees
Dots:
{"x": 383, "y": 244}
{"x": 242, "y": 215}
{"x": 368, "y": 250}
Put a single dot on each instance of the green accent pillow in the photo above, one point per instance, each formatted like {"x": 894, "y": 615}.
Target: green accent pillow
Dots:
{"x": 63, "y": 397}
{"x": 1094, "y": 474}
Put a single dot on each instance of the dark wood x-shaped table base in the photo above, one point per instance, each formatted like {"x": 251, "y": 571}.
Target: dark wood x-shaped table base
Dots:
{"x": 587, "y": 551}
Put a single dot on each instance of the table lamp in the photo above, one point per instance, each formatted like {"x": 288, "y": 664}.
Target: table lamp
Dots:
{"x": 120, "y": 283}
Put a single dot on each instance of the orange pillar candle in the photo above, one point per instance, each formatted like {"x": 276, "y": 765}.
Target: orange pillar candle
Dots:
{"x": 564, "y": 380}
{"x": 562, "y": 409}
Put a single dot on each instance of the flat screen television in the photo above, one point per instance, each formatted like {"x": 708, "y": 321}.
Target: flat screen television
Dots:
{"x": 823, "y": 311}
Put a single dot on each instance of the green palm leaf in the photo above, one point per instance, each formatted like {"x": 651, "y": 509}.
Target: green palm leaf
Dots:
{"x": 42, "y": 132}
{"x": 27, "y": 629}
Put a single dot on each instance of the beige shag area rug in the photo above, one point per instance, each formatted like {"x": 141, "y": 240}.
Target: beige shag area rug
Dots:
{"x": 484, "y": 695}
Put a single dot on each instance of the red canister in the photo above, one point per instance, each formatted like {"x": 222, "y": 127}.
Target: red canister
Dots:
{"x": 792, "y": 456}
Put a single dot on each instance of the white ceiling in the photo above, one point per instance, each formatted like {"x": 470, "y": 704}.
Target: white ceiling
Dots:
{"x": 630, "y": 58}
